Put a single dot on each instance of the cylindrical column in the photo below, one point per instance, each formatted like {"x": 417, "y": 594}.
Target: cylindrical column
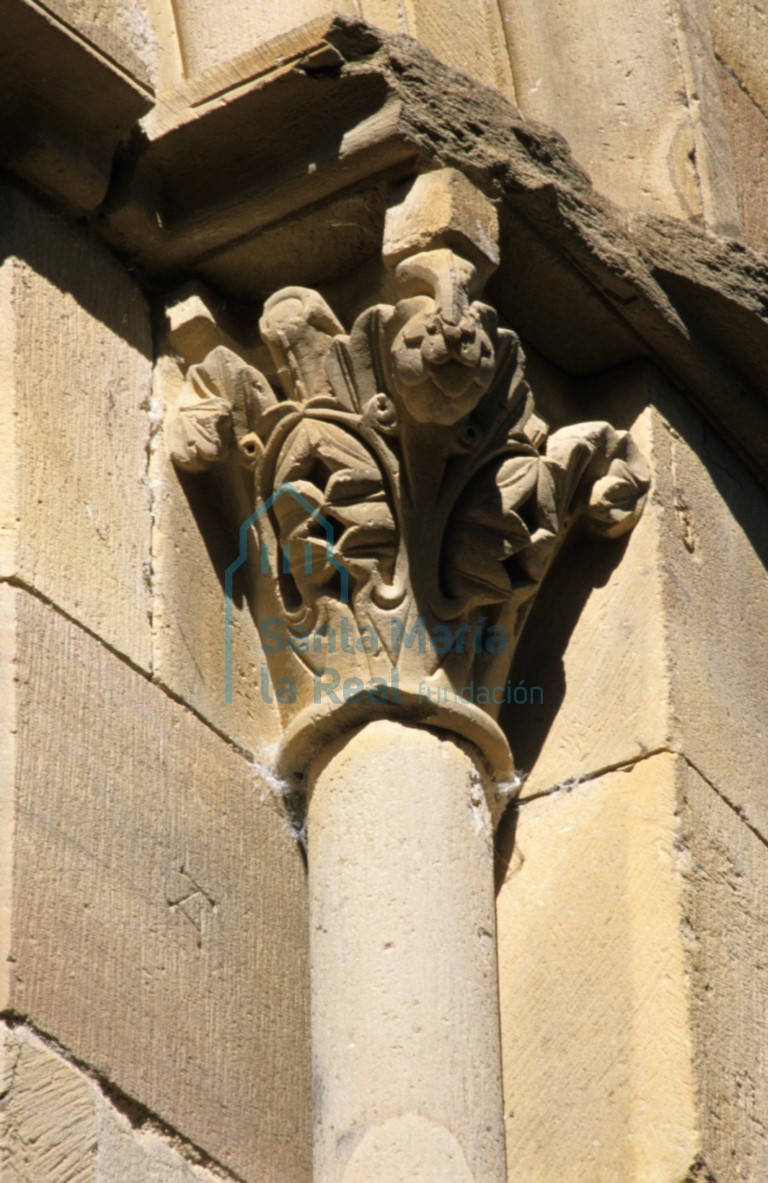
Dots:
{"x": 405, "y": 1023}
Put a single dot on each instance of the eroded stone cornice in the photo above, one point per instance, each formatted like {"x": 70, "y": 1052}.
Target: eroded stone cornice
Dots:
{"x": 273, "y": 169}
{"x": 264, "y": 174}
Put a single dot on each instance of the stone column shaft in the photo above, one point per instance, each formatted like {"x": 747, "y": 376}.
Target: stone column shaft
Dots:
{"x": 405, "y": 1026}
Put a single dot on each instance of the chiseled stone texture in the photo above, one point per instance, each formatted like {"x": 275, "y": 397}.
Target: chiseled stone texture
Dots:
{"x": 633, "y": 88}
{"x": 8, "y": 599}
{"x": 159, "y": 906}
{"x": 57, "y": 1126}
{"x": 77, "y": 360}
{"x": 595, "y": 1025}
{"x": 47, "y": 1130}
{"x": 713, "y": 556}
{"x": 466, "y": 34}
{"x": 748, "y": 127}
{"x": 211, "y": 35}
{"x": 740, "y": 36}
{"x": 726, "y": 923}
{"x": 123, "y": 29}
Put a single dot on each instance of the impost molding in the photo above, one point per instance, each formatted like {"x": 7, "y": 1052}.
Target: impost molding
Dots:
{"x": 67, "y": 105}
{"x": 274, "y": 169}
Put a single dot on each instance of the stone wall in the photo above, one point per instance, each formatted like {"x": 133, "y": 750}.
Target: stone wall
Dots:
{"x": 629, "y": 913}
{"x": 153, "y": 898}
{"x": 154, "y": 902}
{"x": 740, "y": 43}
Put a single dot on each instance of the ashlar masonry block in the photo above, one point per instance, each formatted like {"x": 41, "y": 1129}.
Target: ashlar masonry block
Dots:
{"x": 714, "y": 565}
{"x": 598, "y": 1061}
{"x": 59, "y": 1125}
{"x": 633, "y": 87}
{"x": 210, "y": 37}
{"x": 725, "y": 920}
{"x": 158, "y": 909}
{"x": 77, "y": 350}
{"x": 662, "y": 649}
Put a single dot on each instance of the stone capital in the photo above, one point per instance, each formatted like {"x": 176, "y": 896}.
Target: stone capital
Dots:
{"x": 408, "y": 499}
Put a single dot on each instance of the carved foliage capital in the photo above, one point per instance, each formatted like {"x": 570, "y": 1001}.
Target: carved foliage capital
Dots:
{"x": 416, "y": 499}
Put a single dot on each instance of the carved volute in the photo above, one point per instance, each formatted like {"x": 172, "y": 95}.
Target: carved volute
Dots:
{"x": 408, "y": 496}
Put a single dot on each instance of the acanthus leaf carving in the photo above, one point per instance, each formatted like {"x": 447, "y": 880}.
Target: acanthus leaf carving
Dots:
{"x": 412, "y": 460}
{"x": 222, "y": 401}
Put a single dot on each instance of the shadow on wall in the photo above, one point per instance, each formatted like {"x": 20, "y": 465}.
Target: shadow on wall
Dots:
{"x": 722, "y": 499}
{"x": 74, "y": 261}
{"x": 734, "y": 482}
{"x": 210, "y": 504}
{"x": 582, "y": 565}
